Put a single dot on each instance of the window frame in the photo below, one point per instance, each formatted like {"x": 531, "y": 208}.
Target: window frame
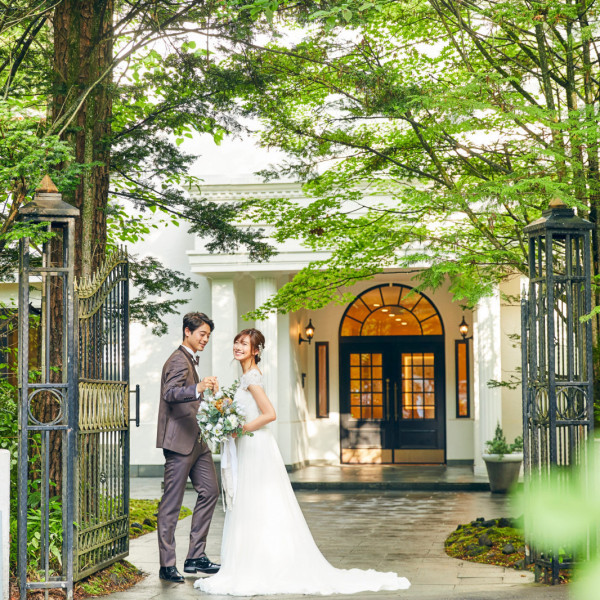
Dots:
{"x": 318, "y": 375}
{"x": 457, "y": 344}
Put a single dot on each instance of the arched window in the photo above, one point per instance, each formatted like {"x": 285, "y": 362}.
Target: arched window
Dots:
{"x": 391, "y": 309}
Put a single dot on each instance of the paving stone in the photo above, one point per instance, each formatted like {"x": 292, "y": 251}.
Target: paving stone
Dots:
{"x": 395, "y": 531}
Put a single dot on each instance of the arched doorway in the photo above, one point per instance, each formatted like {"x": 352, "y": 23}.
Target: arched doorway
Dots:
{"x": 392, "y": 381}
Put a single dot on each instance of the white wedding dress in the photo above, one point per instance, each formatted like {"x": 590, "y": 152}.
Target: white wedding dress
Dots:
{"x": 267, "y": 546}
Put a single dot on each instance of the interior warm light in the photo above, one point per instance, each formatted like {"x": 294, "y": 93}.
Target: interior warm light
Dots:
{"x": 385, "y": 310}
{"x": 376, "y": 304}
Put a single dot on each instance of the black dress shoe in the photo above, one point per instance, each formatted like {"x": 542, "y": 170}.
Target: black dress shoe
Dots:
{"x": 170, "y": 574}
{"x": 202, "y": 565}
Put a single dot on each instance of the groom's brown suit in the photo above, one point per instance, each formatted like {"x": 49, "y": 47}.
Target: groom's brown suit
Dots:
{"x": 185, "y": 456}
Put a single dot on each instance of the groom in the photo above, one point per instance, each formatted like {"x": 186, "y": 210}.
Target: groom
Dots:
{"x": 186, "y": 454}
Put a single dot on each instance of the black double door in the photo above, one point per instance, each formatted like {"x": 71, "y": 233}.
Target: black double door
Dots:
{"x": 392, "y": 400}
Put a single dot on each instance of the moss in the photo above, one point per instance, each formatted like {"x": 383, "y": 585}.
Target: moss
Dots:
{"x": 464, "y": 544}
{"x": 144, "y": 512}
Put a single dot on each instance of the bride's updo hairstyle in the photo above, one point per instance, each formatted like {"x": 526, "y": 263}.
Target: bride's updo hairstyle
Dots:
{"x": 257, "y": 341}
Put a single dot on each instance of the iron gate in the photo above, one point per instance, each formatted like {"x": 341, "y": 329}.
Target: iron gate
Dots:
{"x": 102, "y": 469}
{"x": 557, "y": 360}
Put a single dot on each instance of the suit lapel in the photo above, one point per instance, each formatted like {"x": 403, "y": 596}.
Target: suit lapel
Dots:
{"x": 188, "y": 357}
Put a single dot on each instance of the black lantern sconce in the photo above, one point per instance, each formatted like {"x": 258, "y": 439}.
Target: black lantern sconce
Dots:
{"x": 310, "y": 332}
{"x": 463, "y": 328}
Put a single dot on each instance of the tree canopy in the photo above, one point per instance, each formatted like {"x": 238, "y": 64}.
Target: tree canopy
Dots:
{"x": 427, "y": 132}
{"x": 100, "y": 95}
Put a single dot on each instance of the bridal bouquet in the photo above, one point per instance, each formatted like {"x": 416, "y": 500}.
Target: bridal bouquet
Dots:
{"x": 219, "y": 416}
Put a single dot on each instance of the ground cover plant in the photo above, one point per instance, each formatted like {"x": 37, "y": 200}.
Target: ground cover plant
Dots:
{"x": 119, "y": 576}
{"x": 493, "y": 542}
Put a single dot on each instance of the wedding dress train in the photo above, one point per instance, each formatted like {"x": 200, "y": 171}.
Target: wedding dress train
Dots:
{"x": 267, "y": 546}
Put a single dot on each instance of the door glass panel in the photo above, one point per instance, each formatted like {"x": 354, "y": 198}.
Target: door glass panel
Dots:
{"x": 366, "y": 386}
{"x": 415, "y": 403}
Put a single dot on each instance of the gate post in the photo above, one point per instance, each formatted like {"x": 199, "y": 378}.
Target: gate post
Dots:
{"x": 558, "y": 411}
{"x": 48, "y": 399}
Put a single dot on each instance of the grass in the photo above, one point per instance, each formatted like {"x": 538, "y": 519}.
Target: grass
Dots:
{"x": 142, "y": 516}
{"x": 122, "y": 574}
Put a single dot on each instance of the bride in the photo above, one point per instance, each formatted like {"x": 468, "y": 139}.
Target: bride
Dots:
{"x": 267, "y": 547}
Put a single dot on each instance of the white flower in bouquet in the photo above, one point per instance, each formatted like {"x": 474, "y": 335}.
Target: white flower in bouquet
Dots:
{"x": 219, "y": 416}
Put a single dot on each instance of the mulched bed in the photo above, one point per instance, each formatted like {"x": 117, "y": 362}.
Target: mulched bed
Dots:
{"x": 116, "y": 578}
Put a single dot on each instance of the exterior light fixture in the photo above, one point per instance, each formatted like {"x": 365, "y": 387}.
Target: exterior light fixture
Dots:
{"x": 463, "y": 328}
{"x": 310, "y": 332}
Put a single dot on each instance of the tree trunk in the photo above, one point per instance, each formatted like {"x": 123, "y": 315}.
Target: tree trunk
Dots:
{"x": 83, "y": 54}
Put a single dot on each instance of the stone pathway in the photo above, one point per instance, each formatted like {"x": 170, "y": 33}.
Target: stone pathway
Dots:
{"x": 389, "y": 531}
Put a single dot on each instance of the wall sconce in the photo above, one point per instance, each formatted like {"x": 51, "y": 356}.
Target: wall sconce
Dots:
{"x": 310, "y": 332}
{"x": 463, "y": 328}
{"x": 303, "y": 378}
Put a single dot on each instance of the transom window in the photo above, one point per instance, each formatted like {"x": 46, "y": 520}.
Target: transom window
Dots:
{"x": 391, "y": 310}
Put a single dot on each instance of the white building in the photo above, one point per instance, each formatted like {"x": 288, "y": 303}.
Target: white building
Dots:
{"x": 386, "y": 379}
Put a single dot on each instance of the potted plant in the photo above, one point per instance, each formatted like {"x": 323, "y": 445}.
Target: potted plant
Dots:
{"x": 503, "y": 461}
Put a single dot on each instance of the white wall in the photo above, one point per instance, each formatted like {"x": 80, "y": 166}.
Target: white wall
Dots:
{"x": 148, "y": 353}
{"x": 512, "y": 402}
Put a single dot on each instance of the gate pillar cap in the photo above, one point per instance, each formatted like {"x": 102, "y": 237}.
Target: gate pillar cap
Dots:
{"x": 558, "y": 216}
{"x": 47, "y": 203}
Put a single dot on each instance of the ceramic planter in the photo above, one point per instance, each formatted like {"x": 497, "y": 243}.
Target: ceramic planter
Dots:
{"x": 503, "y": 471}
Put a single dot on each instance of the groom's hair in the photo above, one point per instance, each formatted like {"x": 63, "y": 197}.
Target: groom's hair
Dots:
{"x": 193, "y": 320}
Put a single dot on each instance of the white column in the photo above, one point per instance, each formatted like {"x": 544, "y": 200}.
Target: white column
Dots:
{"x": 264, "y": 288}
{"x": 487, "y": 365}
{"x": 4, "y": 521}
{"x": 224, "y": 314}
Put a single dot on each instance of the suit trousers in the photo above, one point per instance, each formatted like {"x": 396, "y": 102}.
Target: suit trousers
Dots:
{"x": 200, "y": 468}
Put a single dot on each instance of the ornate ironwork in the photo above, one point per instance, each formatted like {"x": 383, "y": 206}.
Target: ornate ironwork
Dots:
{"x": 74, "y": 404}
{"x": 47, "y": 393}
{"x": 102, "y": 474}
{"x": 558, "y": 416}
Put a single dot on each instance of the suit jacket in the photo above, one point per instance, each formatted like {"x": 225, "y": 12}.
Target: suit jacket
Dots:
{"x": 177, "y": 425}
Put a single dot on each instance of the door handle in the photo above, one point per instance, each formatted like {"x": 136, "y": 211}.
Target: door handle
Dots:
{"x": 395, "y": 402}
{"x": 137, "y": 405}
{"x": 387, "y": 399}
